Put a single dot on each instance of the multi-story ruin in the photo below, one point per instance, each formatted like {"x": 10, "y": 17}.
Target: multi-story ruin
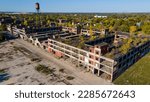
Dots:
{"x": 99, "y": 55}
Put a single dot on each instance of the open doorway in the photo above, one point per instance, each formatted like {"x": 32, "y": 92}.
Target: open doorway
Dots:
{"x": 96, "y": 71}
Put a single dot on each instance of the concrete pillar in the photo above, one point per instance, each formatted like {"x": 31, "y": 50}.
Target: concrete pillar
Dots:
{"x": 78, "y": 58}
{"x": 111, "y": 78}
{"x": 98, "y": 72}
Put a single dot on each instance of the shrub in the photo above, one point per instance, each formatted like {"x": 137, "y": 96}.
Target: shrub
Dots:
{"x": 61, "y": 70}
{"x": 2, "y": 71}
{"x": 44, "y": 69}
{"x": 35, "y": 59}
{"x": 2, "y": 38}
{"x": 70, "y": 78}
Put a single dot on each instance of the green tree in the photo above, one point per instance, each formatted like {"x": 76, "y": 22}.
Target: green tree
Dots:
{"x": 146, "y": 28}
{"x": 124, "y": 28}
{"x": 3, "y": 27}
{"x": 91, "y": 30}
{"x": 126, "y": 46}
{"x": 136, "y": 41}
{"x": 48, "y": 22}
{"x": 37, "y": 20}
{"x": 92, "y": 37}
{"x": 111, "y": 28}
{"x": 117, "y": 24}
{"x": 69, "y": 24}
{"x": 25, "y": 23}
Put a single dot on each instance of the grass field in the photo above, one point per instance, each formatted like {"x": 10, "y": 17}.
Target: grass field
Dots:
{"x": 137, "y": 74}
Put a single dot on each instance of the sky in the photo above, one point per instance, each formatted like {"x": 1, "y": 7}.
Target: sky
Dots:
{"x": 76, "y": 5}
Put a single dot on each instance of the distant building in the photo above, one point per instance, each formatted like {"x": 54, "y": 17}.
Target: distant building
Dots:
{"x": 96, "y": 16}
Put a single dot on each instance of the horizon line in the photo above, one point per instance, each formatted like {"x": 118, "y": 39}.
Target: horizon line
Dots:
{"x": 70, "y": 12}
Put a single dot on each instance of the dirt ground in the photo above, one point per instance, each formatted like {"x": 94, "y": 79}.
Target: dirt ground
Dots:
{"x": 19, "y": 58}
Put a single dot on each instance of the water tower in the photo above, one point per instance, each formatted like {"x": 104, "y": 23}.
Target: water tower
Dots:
{"x": 37, "y": 7}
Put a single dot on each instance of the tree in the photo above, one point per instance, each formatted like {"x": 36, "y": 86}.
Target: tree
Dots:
{"x": 111, "y": 28}
{"x": 25, "y": 23}
{"x": 48, "y": 22}
{"x": 3, "y": 27}
{"x": 133, "y": 29}
{"x": 136, "y": 41}
{"x": 81, "y": 43}
{"x": 69, "y": 24}
{"x": 37, "y": 19}
{"x": 146, "y": 28}
{"x": 124, "y": 28}
{"x": 47, "y": 18}
{"x": 117, "y": 24}
{"x": 91, "y": 30}
{"x": 92, "y": 37}
{"x": 144, "y": 40}
{"x": 81, "y": 38}
{"x": 126, "y": 46}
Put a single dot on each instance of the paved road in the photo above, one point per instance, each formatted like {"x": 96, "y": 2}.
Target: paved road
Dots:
{"x": 82, "y": 77}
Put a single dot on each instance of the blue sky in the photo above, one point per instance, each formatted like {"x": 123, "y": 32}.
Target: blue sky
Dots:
{"x": 76, "y": 5}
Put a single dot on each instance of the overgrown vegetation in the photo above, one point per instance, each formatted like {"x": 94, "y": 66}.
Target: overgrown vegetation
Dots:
{"x": 2, "y": 37}
{"x": 146, "y": 28}
{"x": 44, "y": 69}
{"x": 131, "y": 43}
{"x": 2, "y": 71}
{"x": 69, "y": 77}
{"x": 35, "y": 59}
{"x": 3, "y": 27}
{"x": 28, "y": 53}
